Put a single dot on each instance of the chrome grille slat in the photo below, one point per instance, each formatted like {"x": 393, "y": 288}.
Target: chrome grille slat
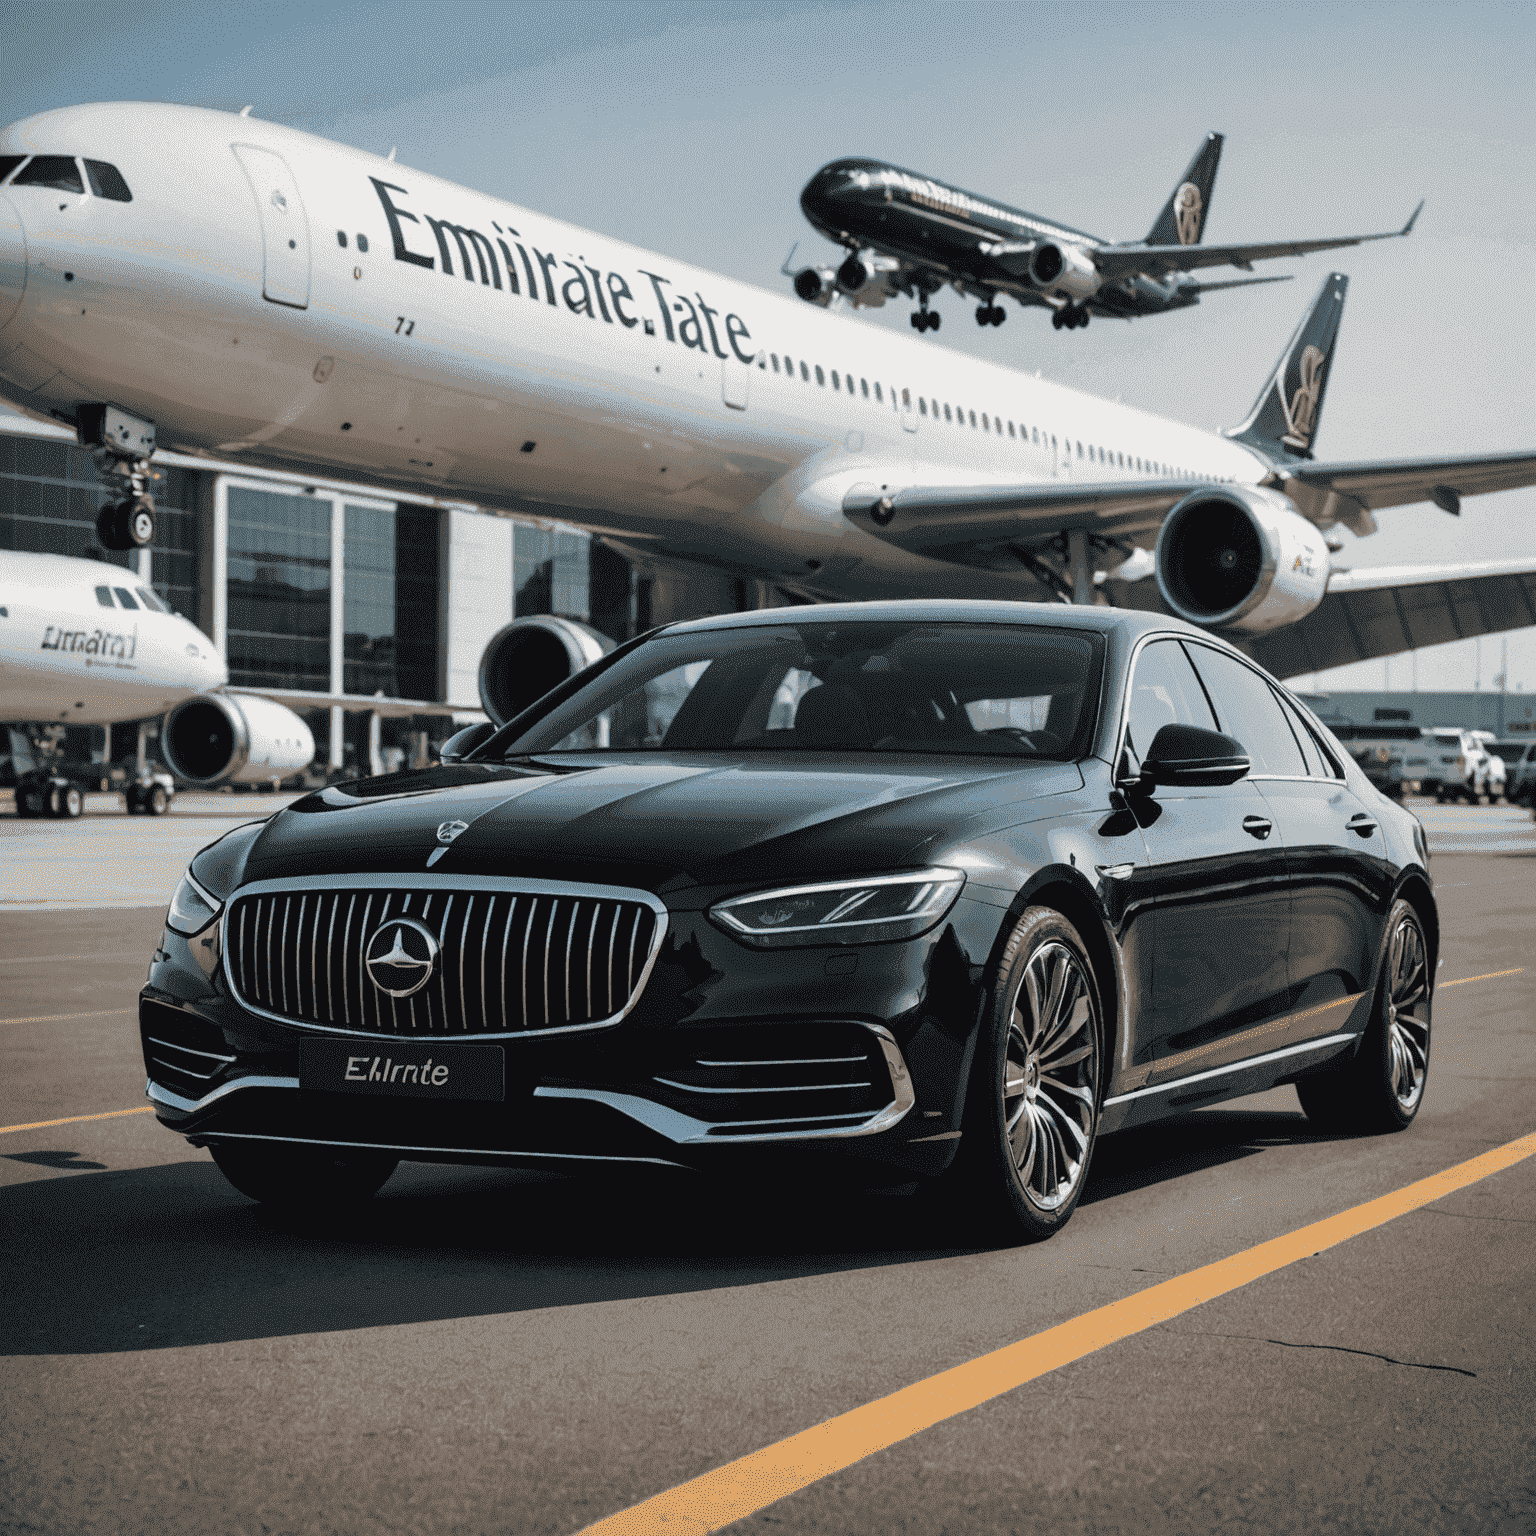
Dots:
{"x": 510, "y": 960}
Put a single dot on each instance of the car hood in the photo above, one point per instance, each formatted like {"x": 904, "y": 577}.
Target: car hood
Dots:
{"x": 657, "y": 822}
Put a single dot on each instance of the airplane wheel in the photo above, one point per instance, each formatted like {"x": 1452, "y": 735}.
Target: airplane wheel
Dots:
{"x": 71, "y": 803}
{"x": 933, "y": 321}
{"x": 984, "y": 314}
{"x": 1056, "y": 321}
{"x": 157, "y": 802}
{"x": 919, "y": 323}
{"x": 140, "y": 524}
{"x": 999, "y": 314}
{"x": 29, "y": 803}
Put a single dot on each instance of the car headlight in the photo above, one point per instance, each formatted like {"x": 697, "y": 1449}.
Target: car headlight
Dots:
{"x": 192, "y": 908}
{"x": 872, "y": 911}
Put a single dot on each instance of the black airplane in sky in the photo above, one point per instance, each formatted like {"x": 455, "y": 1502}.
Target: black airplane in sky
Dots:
{"x": 909, "y": 234}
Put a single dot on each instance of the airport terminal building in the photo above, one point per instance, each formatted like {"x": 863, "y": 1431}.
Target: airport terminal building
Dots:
{"x": 332, "y": 587}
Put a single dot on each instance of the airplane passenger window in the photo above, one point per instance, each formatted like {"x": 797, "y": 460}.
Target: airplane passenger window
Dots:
{"x": 848, "y": 380}
{"x": 836, "y": 383}
{"x": 906, "y": 398}
{"x": 107, "y": 182}
{"x": 104, "y": 595}
{"x": 984, "y": 426}
{"x": 125, "y": 597}
{"x": 341, "y": 238}
{"x": 973, "y": 418}
{"x": 362, "y": 243}
{"x": 8, "y": 163}
{"x": 57, "y": 171}
{"x": 864, "y": 385}
{"x": 922, "y": 404}
{"x": 1010, "y": 429}
{"x": 877, "y": 392}
{"x": 946, "y": 413}
{"x": 805, "y": 373}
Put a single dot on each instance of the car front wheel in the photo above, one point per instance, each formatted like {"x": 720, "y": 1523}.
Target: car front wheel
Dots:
{"x": 302, "y": 1178}
{"x": 1381, "y": 1086}
{"x": 1033, "y": 1106}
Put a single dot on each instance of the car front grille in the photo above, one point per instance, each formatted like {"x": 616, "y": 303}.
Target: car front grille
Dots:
{"x": 181, "y": 1052}
{"x": 510, "y": 958}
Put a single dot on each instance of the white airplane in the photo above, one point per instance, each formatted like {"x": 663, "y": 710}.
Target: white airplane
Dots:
{"x": 242, "y": 290}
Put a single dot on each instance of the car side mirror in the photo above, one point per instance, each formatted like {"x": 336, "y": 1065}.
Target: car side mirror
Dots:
{"x": 462, "y": 743}
{"x": 1190, "y": 757}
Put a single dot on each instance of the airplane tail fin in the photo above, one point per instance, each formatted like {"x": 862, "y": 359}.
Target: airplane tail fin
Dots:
{"x": 1284, "y": 418}
{"x": 1182, "y": 221}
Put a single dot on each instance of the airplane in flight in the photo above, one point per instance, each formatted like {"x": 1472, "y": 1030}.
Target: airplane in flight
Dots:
{"x": 910, "y": 234}
{"x": 251, "y": 292}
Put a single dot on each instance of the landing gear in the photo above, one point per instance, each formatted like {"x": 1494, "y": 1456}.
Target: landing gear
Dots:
{"x": 1069, "y": 317}
{"x": 123, "y": 447}
{"x": 990, "y": 314}
{"x": 923, "y": 318}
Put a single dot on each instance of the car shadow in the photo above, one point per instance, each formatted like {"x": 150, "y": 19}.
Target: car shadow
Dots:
{"x": 169, "y": 1256}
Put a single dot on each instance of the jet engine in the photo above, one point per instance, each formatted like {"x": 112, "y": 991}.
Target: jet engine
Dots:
{"x": 864, "y": 279}
{"x": 1240, "y": 557}
{"x": 221, "y": 738}
{"x": 1063, "y": 269}
{"x": 531, "y": 656}
{"x": 816, "y": 285}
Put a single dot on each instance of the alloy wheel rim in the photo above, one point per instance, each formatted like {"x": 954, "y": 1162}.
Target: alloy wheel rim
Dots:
{"x": 1407, "y": 1014}
{"x": 1050, "y": 1076}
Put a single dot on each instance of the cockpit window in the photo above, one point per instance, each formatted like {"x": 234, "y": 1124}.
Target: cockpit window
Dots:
{"x": 107, "y": 181}
{"x": 104, "y": 596}
{"x": 151, "y": 601}
{"x": 125, "y": 597}
{"x": 57, "y": 171}
{"x": 8, "y": 163}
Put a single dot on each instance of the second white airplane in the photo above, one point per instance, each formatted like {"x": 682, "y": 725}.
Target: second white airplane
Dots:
{"x": 247, "y": 291}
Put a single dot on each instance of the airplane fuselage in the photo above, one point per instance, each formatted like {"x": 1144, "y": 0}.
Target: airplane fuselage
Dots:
{"x": 433, "y": 339}
{"x": 85, "y": 643}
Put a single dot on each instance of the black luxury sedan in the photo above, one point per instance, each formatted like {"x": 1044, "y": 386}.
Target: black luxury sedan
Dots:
{"x": 923, "y": 891}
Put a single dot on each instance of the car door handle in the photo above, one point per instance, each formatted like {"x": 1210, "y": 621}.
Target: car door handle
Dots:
{"x": 1258, "y": 826}
{"x": 1362, "y": 824}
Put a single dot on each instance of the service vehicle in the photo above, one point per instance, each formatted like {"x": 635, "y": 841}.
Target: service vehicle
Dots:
{"x": 1519, "y": 759}
{"x": 1383, "y": 750}
{"x": 1460, "y": 765}
{"x": 931, "y": 890}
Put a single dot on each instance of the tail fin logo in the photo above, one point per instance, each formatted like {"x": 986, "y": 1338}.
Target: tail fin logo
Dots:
{"x": 1301, "y": 410}
{"x": 1188, "y": 211}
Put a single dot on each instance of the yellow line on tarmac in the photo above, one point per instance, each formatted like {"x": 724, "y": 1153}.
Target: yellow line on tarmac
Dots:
{"x": 111, "y": 1114}
{"x": 741, "y": 1488}
{"x": 1486, "y": 976}
{"x": 106, "y": 1013}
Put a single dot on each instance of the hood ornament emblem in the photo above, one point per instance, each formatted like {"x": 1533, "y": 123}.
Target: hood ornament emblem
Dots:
{"x": 401, "y": 957}
{"x": 446, "y": 832}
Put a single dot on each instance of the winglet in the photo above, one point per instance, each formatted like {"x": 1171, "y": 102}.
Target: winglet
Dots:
{"x": 1407, "y": 228}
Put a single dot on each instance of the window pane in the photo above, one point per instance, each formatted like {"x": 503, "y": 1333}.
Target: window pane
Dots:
{"x": 106, "y": 181}
{"x": 104, "y": 596}
{"x": 1247, "y": 709}
{"x": 125, "y": 598}
{"x": 57, "y": 171}
{"x": 279, "y": 590}
{"x": 1164, "y": 691}
{"x": 8, "y": 163}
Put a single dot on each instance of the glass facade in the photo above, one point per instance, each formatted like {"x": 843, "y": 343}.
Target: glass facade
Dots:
{"x": 279, "y": 628}
{"x": 49, "y": 498}
{"x": 389, "y": 600}
{"x": 560, "y": 571}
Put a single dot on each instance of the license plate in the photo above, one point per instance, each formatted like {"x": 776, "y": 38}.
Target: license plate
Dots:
{"x": 406, "y": 1069}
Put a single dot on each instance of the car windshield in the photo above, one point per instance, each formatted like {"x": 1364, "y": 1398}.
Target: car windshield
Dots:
{"x": 829, "y": 686}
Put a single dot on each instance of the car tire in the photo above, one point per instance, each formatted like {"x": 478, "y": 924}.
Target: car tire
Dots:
{"x": 1032, "y": 1106}
{"x": 302, "y": 1178}
{"x": 1381, "y": 1087}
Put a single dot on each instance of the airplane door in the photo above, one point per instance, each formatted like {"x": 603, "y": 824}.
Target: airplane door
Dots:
{"x": 284, "y": 229}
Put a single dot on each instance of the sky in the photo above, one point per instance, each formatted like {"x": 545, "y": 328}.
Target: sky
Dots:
{"x": 689, "y": 128}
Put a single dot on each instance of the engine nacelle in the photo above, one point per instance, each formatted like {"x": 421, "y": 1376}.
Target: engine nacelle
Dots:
{"x": 816, "y": 285}
{"x": 531, "y": 656}
{"x": 1063, "y": 269}
{"x": 221, "y": 738}
{"x": 1240, "y": 557}
{"x": 864, "y": 279}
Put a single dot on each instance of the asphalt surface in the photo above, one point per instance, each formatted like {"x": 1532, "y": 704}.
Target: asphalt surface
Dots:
{"x": 480, "y": 1351}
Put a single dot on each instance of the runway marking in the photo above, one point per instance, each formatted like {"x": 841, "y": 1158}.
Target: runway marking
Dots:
{"x": 741, "y": 1488}
{"x": 110, "y": 1114}
{"x": 1486, "y": 976}
{"x": 95, "y": 1013}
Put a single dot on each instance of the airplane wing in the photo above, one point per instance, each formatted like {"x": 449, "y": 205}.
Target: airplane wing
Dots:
{"x": 1378, "y": 483}
{"x": 1121, "y": 261}
{"x": 1389, "y": 609}
{"x": 303, "y": 699}
{"x": 1235, "y": 282}
{"x": 975, "y": 524}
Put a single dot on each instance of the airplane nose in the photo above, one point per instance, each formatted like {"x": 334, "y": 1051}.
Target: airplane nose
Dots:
{"x": 13, "y": 261}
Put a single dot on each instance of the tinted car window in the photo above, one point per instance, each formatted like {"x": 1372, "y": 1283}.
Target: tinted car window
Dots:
{"x": 8, "y": 163}
{"x": 1247, "y": 709}
{"x": 1165, "y": 691}
{"x": 57, "y": 171}
{"x": 998, "y": 690}
{"x": 107, "y": 181}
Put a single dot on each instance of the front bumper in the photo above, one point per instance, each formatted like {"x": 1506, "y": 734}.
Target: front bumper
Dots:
{"x": 728, "y": 1056}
